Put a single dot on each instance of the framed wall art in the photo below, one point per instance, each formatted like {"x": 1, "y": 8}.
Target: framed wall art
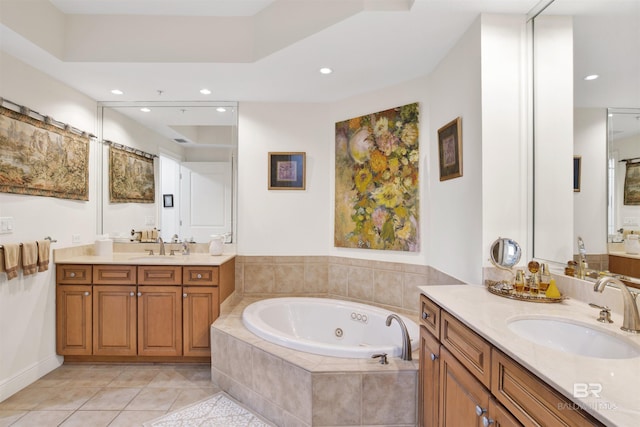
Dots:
{"x": 131, "y": 177}
{"x": 40, "y": 159}
{"x": 377, "y": 197}
{"x": 577, "y": 170}
{"x": 167, "y": 200}
{"x": 632, "y": 184}
{"x": 287, "y": 171}
{"x": 450, "y": 149}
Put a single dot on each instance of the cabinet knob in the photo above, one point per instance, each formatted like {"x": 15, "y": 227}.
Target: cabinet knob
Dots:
{"x": 184, "y": 295}
{"x": 139, "y": 294}
{"x": 199, "y": 276}
{"x": 87, "y": 293}
{"x": 433, "y": 356}
{"x": 480, "y": 410}
{"x": 486, "y": 422}
{"x": 72, "y": 274}
{"x": 425, "y": 315}
{"x": 132, "y": 294}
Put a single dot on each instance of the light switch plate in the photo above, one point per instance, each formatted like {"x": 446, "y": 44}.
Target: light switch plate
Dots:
{"x": 6, "y": 225}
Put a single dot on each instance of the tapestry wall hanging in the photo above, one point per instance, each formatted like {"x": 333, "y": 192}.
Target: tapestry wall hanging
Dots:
{"x": 131, "y": 177}
{"x": 41, "y": 159}
{"x": 376, "y": 200}
{"x": 632, "y": 184}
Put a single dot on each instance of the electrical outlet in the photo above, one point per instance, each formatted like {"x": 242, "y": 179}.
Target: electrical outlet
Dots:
{"x": 630, "y": 220}
{"x": 75, "y": 238}
{"x": 6, "y": 225}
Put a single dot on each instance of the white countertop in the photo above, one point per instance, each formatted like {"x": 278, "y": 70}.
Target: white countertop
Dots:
{"x": 488, "y": 315}
{"x": 140, "y": 258}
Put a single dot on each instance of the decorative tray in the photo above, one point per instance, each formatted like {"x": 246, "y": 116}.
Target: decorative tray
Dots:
{"x": 505, "y": 289}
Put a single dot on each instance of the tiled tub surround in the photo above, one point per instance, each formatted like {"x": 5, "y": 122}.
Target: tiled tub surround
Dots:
{"x": 386, "y": 284}
{"x": 293, "y": 388}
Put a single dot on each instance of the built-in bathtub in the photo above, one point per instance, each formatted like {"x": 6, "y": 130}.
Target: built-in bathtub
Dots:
{"x": 297, "y": 388}
{"x": 328, "y": 327}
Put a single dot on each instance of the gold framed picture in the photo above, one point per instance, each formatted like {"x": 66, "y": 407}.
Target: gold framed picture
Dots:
{"x": 287, "y": 171}
{"x": 450, "y": 149}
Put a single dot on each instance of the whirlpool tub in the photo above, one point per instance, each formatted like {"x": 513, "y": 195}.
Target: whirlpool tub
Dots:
{"x": 328, "y": 327}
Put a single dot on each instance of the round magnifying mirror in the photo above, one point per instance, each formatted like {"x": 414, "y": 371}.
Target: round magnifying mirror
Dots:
{"x": 505, "y": 252}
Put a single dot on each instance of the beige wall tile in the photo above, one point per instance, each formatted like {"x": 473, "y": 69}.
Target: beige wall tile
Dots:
{"x": 397, "y": 405}
{"x": 258, "y": 278}
{"x": 387, "y": 287}
{"x": 289, "y": 278}
{"x": 316, "y": 277}
{"x": 360, "y": 283}
{"x": 337, "y": 399}
{"x": 338, "y": 275}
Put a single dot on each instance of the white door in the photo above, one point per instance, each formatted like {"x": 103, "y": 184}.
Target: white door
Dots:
{"x": 205, "y": 205}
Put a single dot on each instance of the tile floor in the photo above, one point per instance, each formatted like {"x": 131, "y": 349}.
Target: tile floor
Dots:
{"x": 106, "y": 395}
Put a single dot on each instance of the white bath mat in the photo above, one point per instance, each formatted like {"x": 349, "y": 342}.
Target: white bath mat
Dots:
{"x": 219, "y": 410}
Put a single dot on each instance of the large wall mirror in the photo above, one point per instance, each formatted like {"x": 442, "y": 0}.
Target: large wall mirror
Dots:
{"x": 585, "y": 196}
{"x": 191, "y": 148}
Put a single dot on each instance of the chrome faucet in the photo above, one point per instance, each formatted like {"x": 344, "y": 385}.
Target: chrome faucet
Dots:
{"x": 162, "y": 252}
{"x": 631, "y": 319}
{"x": 406, "y": 340}
{"x": 185, "y": 248}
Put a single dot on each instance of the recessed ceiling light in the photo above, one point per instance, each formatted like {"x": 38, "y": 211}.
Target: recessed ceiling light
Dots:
{"x": 591, "y": 77}
{"x": 117, "y": 92}
{"x": 326, "y": 70}
{"x": 145, "y": 109}
{"x": 221, "y": 109}
{"x": 205, "y": 91}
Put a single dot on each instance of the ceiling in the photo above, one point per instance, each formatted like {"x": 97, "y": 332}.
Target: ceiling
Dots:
{"x": 271, "y": 50}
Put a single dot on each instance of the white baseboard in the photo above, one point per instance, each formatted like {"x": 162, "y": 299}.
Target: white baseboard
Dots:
{"x": 29, "y": 375}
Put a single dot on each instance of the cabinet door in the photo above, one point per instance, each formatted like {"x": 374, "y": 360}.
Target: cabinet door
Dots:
{"x": 498, "y": 416}
{"x": 429, "y": 378}
{"x": 463, "y": 399}
{"x": 159, "y": 320}
{"x": 73, "y": 320}
{"x": 200, "y": 309}
{"x": 114, "y": 320}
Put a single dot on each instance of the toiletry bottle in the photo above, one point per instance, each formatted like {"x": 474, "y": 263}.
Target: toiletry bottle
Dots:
{"x": 519, "y": 282}
{"x": 545, "y": 277}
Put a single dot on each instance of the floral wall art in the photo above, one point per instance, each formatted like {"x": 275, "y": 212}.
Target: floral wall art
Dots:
{"x": 377, "y": 197}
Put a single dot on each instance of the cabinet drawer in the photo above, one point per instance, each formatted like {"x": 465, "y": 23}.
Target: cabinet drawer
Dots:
{"x": 205, "y": 275}
{"x": 159, "y": 275}
{"x": 530, "y": 400}
{"x": 71, "y": 274}
{"x": 468, "y": 347}
{"x": 430, "y": 316}
{"x": 114, "y": 274}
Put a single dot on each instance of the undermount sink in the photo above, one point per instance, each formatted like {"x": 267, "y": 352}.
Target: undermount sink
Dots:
{"x": 574, "y": 337}
{"x": 154, "y": 257}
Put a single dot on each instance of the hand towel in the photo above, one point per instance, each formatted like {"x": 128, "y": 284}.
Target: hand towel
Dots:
{"x": 43, "y": 254}
{"x": 11, "y": 255}
{"x": 29, "y": 258}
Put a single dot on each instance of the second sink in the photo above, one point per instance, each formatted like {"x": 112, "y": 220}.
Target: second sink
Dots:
{"x": 574, "y": 337}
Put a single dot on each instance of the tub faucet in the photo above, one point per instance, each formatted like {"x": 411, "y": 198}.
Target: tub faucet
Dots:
{"x": 162, "y": 251}
{"x": 631, "y": 320}
{"x": 406, "y": 340}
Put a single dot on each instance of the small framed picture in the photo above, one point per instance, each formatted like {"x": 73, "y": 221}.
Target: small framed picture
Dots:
{"x": 450, "y": 149}
{"x": 577, "y": 169}
{"x": 287, "y": 171}
{"x": 167, "y": 200}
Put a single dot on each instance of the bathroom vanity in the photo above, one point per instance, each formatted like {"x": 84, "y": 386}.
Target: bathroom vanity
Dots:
{"x": 475, "y": 370}
{"x": 131, "y": 307}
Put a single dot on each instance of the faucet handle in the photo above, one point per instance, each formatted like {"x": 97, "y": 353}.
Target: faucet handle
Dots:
{"x": 383, "y": 358}
{"x": 605, "y": 313}
{"x": 150, "y": 251}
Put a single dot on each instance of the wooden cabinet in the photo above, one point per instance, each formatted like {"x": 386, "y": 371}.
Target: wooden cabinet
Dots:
{"x": 429, "y": 378}
{"x": 160, "y": 320}
{"x": 129, "y": 313}
{"x": 464, "y": 380}
{"x": 199, "y": 309}
{"x": 114, "y": 320}
{"x": 73, "y": 319}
